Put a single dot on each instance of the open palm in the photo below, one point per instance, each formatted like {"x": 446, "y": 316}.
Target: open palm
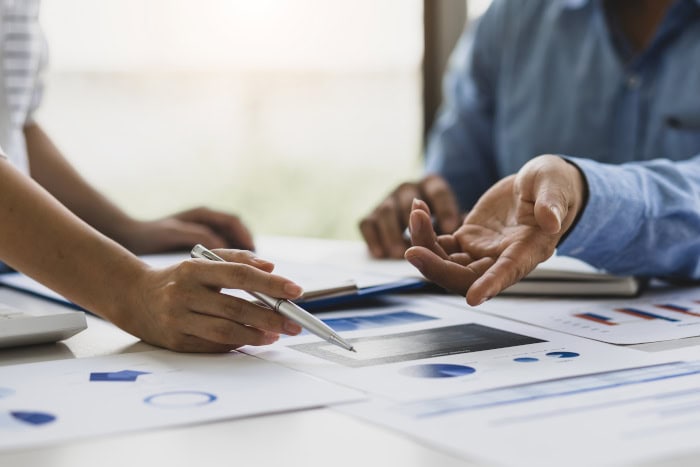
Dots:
{"x": 513, "y": 227}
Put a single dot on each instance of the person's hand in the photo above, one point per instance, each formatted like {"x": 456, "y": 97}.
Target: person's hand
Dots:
{"x": 215, "y": 229}
{"x": 383, "y": 228}
{"x": 181, "y": 307}
{"x": 513, "y": 227}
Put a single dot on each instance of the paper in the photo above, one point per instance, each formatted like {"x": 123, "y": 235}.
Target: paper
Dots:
{"x": 419, "y": 348}
{"x": 621, "y": 417}
{"x": 567, "y": 276}
{"x": 58, "y": 401}
{"x": 567, "y": 267}
{"x": 657, "y": 315}
{"x": 322, "y": 283}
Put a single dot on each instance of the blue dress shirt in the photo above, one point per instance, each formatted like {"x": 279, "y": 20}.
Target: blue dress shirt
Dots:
{"x": 555, "y": 77}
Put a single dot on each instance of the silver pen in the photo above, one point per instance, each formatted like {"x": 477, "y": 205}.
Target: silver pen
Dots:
{"x": 285, "y": 307}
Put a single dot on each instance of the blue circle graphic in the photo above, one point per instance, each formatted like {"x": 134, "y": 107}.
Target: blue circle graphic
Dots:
{"x": 180, "y": 399}
{"x": 563, "y": 354}
{"x": 437, "y": 370}
{"x": 526, "y": 359}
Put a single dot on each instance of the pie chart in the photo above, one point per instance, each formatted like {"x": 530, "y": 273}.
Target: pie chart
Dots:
{"x": 563, "y": 354}
{"x": 437, "y": 370}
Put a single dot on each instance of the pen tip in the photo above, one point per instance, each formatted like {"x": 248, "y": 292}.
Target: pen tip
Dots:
{"x": 352, "y": 349}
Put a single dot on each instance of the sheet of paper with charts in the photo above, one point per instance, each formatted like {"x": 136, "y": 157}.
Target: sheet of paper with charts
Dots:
{"x": 611, "y": 418}
{"x": 418, "y": 348}
{"x": 475, "y": 385}
{"x": 659, "y": 314}
{"x": 50, "y": 402}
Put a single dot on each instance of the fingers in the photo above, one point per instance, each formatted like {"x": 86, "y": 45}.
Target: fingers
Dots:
{"x": 242, "y": 313}
{"x": 422, "y": 233}
{"x": 245, "y": 257}
{"x": 221, "y": 341}
{"x": 193, "y": 344}
{"x": 230, "y": 275}
{"x": 183, "y": 308}
{"x": 382, "y": 232}
{"x": 228, "y": 227}
{"x": 437, "y": 193}
{"x": 226, "y": 319}
{"x": 187, "y": 234}
{"x": 512, "y": 265}
{"x": 451, "y": 275}
{"x": 383, "y": 228}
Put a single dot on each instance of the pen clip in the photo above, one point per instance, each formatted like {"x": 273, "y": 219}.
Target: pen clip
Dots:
{"x": 199, "y": 251}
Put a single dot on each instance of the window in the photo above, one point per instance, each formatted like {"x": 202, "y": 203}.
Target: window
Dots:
{"x": 299, "y": 115}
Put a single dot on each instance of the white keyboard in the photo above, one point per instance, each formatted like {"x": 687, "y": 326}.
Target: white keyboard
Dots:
{"x": 21, "y": 327}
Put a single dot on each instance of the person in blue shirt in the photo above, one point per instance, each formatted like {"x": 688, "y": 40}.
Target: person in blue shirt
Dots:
{"x": 568, "y": 125}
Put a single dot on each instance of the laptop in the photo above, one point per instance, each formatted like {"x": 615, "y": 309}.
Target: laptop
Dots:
{"x": 27, "y": 321}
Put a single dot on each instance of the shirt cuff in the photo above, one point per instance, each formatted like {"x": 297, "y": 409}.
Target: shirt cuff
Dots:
{"x": 611, "y": 217}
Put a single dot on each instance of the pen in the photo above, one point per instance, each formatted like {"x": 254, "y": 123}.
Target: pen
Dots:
{"x": 285, "y": 307}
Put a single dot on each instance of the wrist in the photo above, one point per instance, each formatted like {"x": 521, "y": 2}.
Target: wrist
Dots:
{"x": 125, "y": 302}
{"x": 579, "y": 199}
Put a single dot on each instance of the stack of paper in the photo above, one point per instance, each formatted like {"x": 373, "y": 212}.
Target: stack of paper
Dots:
{"x": 566, "y": 276}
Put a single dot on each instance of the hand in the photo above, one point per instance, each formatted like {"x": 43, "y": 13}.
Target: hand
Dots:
{"x": 383, "y": 228}
{"x": 181, "y": 308}
{"x": 513, "y": 227}
{"x": 214, "y": 229}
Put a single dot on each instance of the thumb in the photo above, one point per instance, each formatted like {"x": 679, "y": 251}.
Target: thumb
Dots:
{"x": 550, "y": 213}
{"x": 545, "y": 184}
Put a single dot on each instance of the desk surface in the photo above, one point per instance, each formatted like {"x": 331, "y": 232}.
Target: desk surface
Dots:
{"x": 318, "y": 437}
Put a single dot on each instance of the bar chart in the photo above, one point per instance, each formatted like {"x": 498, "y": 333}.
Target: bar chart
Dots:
{"x": 652, "y": 317}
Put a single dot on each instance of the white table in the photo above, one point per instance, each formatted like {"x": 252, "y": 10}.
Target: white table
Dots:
{"x": 319, "y": 437}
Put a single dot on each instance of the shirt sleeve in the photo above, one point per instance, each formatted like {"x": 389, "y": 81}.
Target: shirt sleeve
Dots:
{"x": 460, "y": 143}
{"x": 641, "y": 218}
{"x": 38, "y": 91}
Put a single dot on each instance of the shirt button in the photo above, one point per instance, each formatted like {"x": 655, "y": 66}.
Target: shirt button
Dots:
{"x": 633, "y": 81}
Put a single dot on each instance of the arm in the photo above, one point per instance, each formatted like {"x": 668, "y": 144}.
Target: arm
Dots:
{"x": 52, "y": 171}
{"x": 639, "y": 218}
{"x": 178, "y": 307}
{"x": 642, "y": 218}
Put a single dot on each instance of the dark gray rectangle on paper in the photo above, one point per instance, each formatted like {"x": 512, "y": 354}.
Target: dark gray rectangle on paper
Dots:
{"x": 415, "y": 345}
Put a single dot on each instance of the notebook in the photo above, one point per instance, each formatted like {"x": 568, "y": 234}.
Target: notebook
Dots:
{"x": 566, "y": 276}
{"x": 23, "y": 324}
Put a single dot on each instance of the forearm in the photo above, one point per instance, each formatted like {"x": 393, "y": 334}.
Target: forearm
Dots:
{"x": 641, "y": 218}
{"x": 53, "y": 172}
{"x": 44, "y": 240}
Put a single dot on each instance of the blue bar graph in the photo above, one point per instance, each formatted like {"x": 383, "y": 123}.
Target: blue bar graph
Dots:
{"x": 353, "y": 323}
